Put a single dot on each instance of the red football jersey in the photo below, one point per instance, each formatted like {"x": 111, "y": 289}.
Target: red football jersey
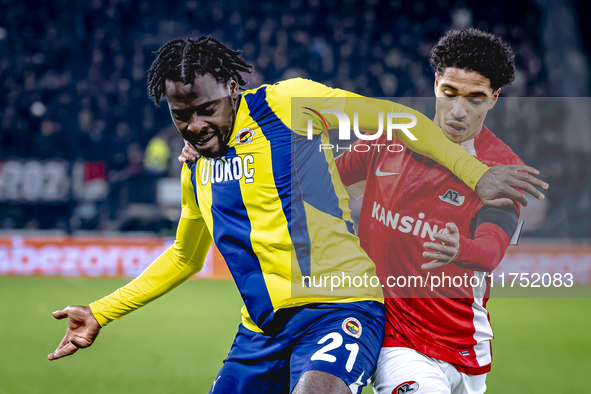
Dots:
{"x": 408, "y": 198}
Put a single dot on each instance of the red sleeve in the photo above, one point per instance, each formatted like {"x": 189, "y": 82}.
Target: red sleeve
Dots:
{"x": 485, "y": 251}
{"x": 352, "y": 166}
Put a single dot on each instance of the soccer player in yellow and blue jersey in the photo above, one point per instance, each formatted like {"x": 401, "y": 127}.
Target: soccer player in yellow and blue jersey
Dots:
{"x": 276, "y": 209}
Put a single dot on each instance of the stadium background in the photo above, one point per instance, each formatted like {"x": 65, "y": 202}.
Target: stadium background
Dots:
{"x": 89, "y": 177}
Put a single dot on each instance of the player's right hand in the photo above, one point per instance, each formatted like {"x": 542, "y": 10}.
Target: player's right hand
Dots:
{"x": 188, "y": 154}
{"x": 500, "y": 185}
{"x": 81, "y": 333}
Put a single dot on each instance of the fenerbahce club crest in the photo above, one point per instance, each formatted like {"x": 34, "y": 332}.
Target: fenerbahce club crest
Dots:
{"x": 244, "y": 136}
{"x": 352, "y": 327}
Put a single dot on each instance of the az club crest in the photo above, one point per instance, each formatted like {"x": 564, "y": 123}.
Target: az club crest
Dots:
{"x": 452, "y": 197}
{"x": 406, "y": 388}
{"x": 352, "y": 327}
{"x": 244, "y": 136}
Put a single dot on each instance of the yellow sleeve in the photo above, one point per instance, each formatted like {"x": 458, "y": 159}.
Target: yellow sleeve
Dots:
{"x": 293, "y": 101}
{"x": 177, "y": 264}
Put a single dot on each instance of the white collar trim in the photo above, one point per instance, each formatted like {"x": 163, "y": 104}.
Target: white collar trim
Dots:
{"x": 469, "y": 146}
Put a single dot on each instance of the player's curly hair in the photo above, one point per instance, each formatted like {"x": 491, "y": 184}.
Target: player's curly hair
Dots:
{"x": 183, "y": 59}
{"x": 475, "y": 50}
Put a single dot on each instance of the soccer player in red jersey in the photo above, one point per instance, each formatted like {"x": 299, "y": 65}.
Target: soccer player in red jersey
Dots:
{"x": 438, "y": 339}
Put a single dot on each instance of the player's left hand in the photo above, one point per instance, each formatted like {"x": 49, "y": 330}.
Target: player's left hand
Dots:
{"x": 188, "y": 154}
{"x": 444, "y": 252}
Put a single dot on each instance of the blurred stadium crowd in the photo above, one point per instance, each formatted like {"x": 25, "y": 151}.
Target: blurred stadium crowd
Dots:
{"x": 75, "y": 114}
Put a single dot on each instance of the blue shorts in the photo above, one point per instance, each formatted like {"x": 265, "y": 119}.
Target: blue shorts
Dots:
{"x": 341, "y": 339}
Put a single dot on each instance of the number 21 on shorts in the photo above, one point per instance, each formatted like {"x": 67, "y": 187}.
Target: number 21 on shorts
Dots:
{"x": 335, "y": 340}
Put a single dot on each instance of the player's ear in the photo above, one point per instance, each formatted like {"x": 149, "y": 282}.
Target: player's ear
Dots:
{"x": 436, "y": 84}
{"x": 495, "y": 97}
{"x": 233, "y": 88}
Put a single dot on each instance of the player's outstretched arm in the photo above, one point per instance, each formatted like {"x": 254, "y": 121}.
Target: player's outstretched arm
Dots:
{"x": 81, "y": 333}
{"x": 177, "y": 264}
{"x": 499, "y": 185}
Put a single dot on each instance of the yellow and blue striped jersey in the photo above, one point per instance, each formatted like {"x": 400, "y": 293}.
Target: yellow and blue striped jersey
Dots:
{"x": 277, "y": 210}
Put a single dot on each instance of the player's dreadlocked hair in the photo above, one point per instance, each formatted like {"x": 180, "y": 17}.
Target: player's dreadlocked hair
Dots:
{"x": 182, "y": 60}
{"x": 475, "y": 50}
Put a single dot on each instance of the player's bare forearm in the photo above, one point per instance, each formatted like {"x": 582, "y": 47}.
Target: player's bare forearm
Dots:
{"x": 82, "y": 330}
{"x": 499, "y": 185}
